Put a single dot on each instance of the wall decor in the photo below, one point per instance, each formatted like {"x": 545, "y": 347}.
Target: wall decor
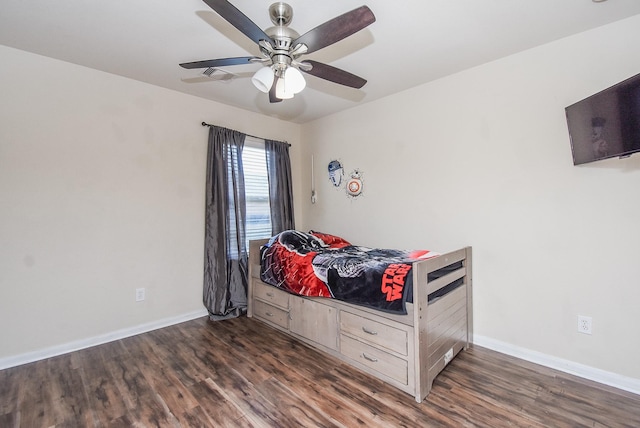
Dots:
{"x": 314, "y": 195}
{"x": 354, "y": 184}
{"x": 336, "y": 172}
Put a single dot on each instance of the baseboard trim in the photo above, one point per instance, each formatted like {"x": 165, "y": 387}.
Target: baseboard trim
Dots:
{"x": 53, "y": 351}
{"x": 601, "y": 376}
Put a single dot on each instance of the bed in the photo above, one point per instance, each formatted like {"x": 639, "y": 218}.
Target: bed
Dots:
{"x": 404, "y": 336}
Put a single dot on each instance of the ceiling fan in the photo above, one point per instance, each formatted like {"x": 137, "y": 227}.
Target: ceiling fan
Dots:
{"x": 281, "y": 48}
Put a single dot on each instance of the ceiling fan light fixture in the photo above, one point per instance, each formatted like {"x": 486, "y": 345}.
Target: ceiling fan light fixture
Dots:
{"x": 280, "y": 46}
{"x": 282, "y": 90}
{"x": 294, "y": 80}
{"x": 263, "y": 79}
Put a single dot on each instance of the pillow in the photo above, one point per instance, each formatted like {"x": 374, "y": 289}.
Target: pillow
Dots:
{"x": 332, "y": 241}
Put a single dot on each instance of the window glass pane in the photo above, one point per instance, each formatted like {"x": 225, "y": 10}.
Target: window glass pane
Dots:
{"x": 256, "y": 190}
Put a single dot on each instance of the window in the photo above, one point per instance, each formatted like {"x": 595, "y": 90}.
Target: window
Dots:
{"x": 256, "y": 190}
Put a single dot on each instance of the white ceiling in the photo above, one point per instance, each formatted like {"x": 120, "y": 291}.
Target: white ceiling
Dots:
{"x": 412, "y": 41}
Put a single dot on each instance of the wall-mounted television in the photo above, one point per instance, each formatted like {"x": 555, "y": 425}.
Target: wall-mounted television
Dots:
{"x": 606, "y": 124}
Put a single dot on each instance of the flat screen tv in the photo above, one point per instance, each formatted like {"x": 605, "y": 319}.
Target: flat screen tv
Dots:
{"x": 606, "y": 124}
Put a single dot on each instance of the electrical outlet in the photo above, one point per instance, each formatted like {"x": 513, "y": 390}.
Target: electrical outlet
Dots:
{"x": 139, "y": 294}
{"x": 448, "y": 356}
{"x": 584, "y": 324}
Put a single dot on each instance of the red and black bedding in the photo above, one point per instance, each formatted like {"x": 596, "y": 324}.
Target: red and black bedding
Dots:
{"x": 322, "y": 265}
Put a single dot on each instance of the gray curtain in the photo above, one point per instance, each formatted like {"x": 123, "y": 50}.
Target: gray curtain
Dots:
{"x": 225, "y": 254}
{"x": 280, "y": 186}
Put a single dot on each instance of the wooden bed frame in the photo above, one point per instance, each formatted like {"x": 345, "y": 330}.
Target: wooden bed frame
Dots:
{"x": 406, "y": 351}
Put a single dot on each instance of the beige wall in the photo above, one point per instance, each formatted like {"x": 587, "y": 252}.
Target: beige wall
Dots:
{"x": 101, "y": 192}
{"x": 483, "y": 158}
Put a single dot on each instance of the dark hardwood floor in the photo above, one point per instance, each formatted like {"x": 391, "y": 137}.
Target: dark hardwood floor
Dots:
{"x": 241, "y": 373}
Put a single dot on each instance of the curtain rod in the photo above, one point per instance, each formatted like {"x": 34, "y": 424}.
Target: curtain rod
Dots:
{"x": 248, "y": 135}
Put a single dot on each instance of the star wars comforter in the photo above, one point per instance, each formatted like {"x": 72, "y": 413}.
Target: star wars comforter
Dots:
{"x": 322, "y": 265}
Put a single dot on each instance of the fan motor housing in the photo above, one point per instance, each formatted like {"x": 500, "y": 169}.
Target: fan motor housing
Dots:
{"x": 281, "y": 15}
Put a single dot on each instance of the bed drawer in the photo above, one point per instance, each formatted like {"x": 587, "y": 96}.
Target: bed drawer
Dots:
{"x": 375, "y": 359}
{"x": 271, "y": 313}
{"x": 314, "y": 321}
{"x": 373, "y": 332}
{"x": 270, "y": 294}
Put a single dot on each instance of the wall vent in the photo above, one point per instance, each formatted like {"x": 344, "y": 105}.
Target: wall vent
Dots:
{"x": 217, "y": 74}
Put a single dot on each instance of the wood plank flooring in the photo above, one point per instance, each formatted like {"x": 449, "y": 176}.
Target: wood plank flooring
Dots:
{"x": 241, "y": 373}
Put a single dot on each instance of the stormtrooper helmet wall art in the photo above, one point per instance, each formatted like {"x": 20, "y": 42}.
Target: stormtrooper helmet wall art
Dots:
{"x": 336, "y": 172}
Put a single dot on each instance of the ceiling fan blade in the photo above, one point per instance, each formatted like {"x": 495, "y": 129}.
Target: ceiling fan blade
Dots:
{"x": 272, "y": 92}
{"x": 333, "y": 74}
{"x": 336, "y": 29}
{"x": 221, "y": 62}
{"x": 239, "y": 20}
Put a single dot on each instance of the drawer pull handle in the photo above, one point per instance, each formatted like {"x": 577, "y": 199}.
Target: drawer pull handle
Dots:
{"x": 270, "y": 294}
{"x": 269, "y": 314}
{"x": 371, "y": 332}
{"x": 372, "y": 359}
